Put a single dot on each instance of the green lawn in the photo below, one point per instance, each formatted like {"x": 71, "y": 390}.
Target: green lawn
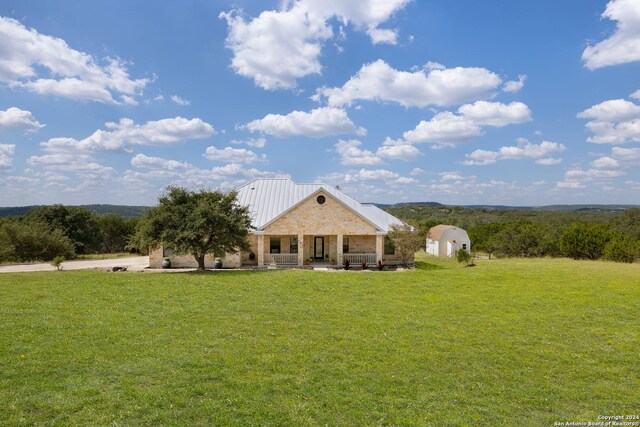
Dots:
{"x": 509, "y": 342}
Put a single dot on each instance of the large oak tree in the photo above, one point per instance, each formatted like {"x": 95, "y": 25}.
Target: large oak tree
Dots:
{"x": 195, "y": 223}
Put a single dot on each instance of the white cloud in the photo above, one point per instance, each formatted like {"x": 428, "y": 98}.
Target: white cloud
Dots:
{"x": 524, "y": 150}
{"x": 439, "y": 86}
{"x": 605, "y": 162}
{"x": 398, "y": 150}
{"x": 231, "y": 155}
{"x": 444, "y": 129}
{"x": 144, "y": 162}
{"x": 383, "y": 36}
{"x": 180, "y": 101}
{"x": 514, "y": 86}
{"x": 84, "y": 166}
{"x": 481, "y": 158}
{"x": 172, "y": 172}
{"x": 278, "y": 47}
{"x": 48, "y": 66}
{"x": 448, "y": 129}
{"x": 417, "y": 171}
{"x": 362, "y": 175}
{"x": 6, "y": 156}
{"x": 496, "y": 114}
{"x": 317, "y": 123}
{"x": 624, "y": 44}
{"x": 616, "y": 121}
{"x": 548, "y": 161}
{"x": 351, "y": 154}
{"x": 592, "y": 174}
{"x": 614, "y": 110}
{"x": 125, "y": 133}
{"x": 573, "y": 185}
{"x": 450, "y": 176}
{"x": 635, "y": 95}
{"x": 129, "y": 100}
{"x": 16, "y": 119}
{"x": 251, "y": 142}
{"x": 626, "y": 154}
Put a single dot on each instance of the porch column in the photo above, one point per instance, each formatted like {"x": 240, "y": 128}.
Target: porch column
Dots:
{"x": 300, "y": 250}
{"x": 339, "y": 238}
{"x": 379, "y": 247}
{"x": 260, "y": 250}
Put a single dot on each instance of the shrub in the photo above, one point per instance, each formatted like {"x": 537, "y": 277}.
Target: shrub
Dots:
{"x": 582, "y": 241}
{"x": 57, "y": 262}
{"x": 346, "y": 264}
{"x": 380, "y": 265}
{"x": 622, "y": 249}
{"x": 33, "y": 241}
{"x": 463, "y": 256}
{"x": 365, "y": 265}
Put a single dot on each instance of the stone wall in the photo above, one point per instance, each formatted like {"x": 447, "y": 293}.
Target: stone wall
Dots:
{"x": 312, "y": 218}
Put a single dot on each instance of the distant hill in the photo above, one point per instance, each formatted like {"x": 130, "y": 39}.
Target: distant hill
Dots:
{"x": 126, "y": 212}
{"x": 548, "y": 208}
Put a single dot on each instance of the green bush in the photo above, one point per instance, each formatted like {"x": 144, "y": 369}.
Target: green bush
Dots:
{"x": 582, "y": 241}
{"x": 622, "y": 249}
{"x": 33, "y": 241}
{"x": 463, "y": 256}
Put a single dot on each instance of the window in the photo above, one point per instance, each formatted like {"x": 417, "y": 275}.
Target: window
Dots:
{"x": 388, "y": 246}
{"x": 293, "y": 245}
{"x": 464, "y": 246}
{"x": 166, "y": 252}
{"x": 321, "y": 199}
{"x": 274, "y": 245}
{"x": 345, "y": 244}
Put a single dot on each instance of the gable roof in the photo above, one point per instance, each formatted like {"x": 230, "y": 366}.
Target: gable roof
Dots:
{"x": 268, "y": 199}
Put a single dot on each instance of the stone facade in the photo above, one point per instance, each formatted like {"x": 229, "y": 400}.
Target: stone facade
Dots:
{"x": 330, "y": 220}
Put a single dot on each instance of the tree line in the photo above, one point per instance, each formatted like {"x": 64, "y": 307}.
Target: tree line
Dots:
{"x": 611, "y": 235}
{"x": 47, "y": 232}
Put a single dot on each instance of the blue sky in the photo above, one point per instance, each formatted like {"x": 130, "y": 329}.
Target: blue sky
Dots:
{"x": 460, "y": 102}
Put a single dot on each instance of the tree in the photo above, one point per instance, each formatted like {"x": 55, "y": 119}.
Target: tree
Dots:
{"x": 33, "y": 241}
{"x": 115, "y": 232}
{"x": 622, "y": 249}
{"x": 195, "y": 223}
{"x": 522, "y": 238}
{"x": 406, "y": 242}
{"x": 78, "y": 224}
{"x": 582, "y": 241}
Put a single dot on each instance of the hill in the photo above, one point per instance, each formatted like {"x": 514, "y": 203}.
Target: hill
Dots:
{"x": 126, "y": 212}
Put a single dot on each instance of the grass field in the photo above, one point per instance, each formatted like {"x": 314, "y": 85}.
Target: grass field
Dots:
{"x": 509, "y": 342}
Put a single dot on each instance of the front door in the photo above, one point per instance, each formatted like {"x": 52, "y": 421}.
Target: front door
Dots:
{"x": 318, "y": 249}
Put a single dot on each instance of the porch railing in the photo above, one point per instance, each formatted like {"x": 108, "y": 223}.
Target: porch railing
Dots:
{"x": 360, "y": 258}
{"x": 282, "y": 259}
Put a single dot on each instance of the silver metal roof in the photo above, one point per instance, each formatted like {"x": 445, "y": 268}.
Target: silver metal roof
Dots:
{"x": 267, "y": 199}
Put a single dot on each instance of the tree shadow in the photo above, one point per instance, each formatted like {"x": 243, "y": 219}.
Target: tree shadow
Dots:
{"x": 423, "y": 265}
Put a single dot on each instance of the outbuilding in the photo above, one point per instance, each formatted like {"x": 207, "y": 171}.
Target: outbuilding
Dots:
{"x": 445, "y": 240}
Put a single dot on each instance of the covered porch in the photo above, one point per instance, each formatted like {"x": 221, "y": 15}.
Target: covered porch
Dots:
{"x": 306, "y": 249}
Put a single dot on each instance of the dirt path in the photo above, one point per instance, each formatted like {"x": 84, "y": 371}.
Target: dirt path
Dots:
{"x": 132, "y": 263}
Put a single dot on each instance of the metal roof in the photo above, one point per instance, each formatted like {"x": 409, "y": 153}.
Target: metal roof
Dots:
{"x": 267, "y": 199}
{"x": 436, "y": 232}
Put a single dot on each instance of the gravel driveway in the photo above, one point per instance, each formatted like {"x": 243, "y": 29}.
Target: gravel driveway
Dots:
{"x": 132, "y": 263}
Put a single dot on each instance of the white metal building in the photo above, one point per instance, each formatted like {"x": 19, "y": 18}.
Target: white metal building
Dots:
{"x": 445, "y": 240}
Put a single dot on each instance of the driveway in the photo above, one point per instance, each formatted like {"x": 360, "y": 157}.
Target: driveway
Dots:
{"x": 138, "y": 263}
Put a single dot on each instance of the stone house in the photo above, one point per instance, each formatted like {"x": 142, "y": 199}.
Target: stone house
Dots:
{"x": 445, "y": 240}
{"x": 303, "y": 224}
